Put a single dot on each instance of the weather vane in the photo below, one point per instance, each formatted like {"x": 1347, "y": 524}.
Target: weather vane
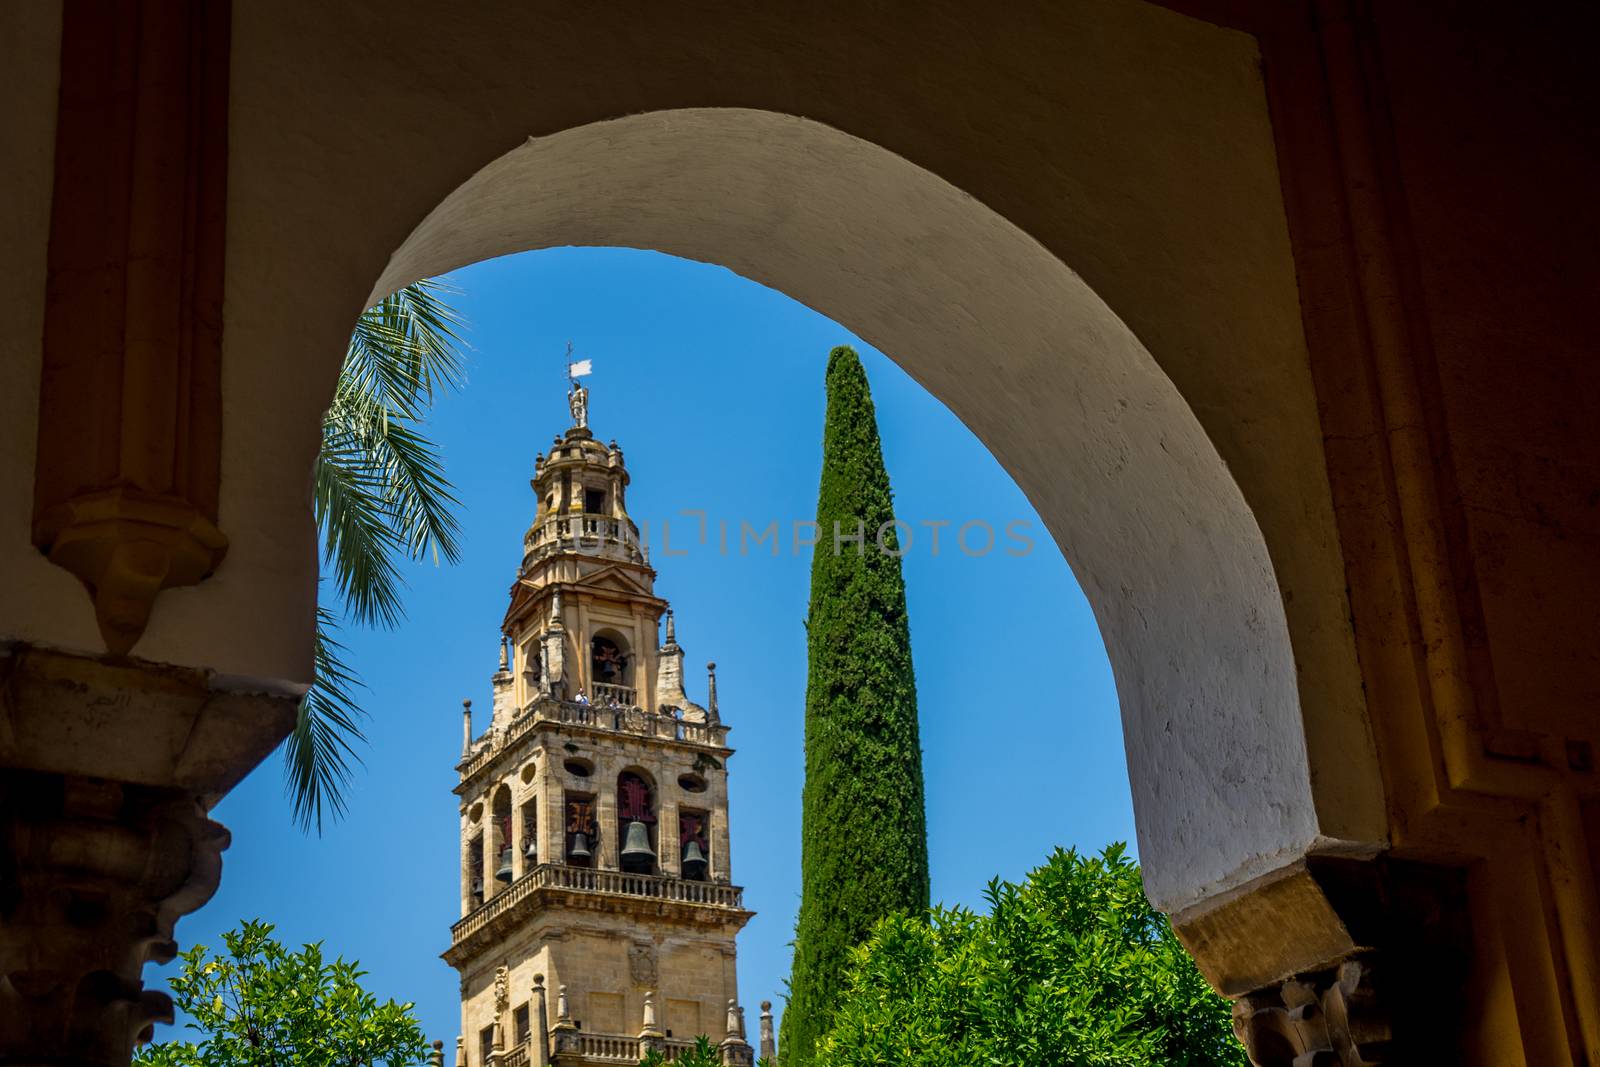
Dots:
{"x": 577, "y": 395}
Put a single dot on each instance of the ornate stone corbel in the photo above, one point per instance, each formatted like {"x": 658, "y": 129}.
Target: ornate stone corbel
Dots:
{"x": 1334, "y": 1018}
{"x": 95, "y": 875}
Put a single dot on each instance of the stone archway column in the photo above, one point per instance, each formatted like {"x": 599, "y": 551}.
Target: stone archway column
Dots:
{"x": 109, "y": 765}
{"x": 107, "y": 772}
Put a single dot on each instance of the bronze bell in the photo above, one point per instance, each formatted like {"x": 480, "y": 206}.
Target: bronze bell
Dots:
{"x": 636, "y": 844}
{"x": 694, "y": 861}
{"x": 503, "y": 871}
{"x": 580, "y": 848}
{"x": 477, "y": 888}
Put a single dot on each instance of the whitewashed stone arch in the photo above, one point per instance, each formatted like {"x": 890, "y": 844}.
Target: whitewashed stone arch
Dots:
{"x": 1045, "y": 373}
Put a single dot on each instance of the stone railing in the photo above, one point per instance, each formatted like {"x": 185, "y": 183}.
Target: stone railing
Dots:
{"x": 626, "y": 720}
{"x": 657, "y": 886}
{"x": 589, "y": 531}
{"x": 618, "y": 1048}
{"x": 589, "y": 880}
{"x": 473, "y": 763}
{"x": 614, "y": 1048}
{"x": 676, "y": 1047}
{"x": 516, "y": 1056}
{"x": 607, "y": 695}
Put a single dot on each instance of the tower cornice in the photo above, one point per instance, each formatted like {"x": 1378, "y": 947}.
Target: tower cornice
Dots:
{"x": 557, "y": 718}
{"x": 553, "y": 887}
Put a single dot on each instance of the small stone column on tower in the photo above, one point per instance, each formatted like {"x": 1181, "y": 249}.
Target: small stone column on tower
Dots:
{"x": 555, "y": 650}
{"x": 436, "y": 1057}
{"x": 466, "y": 728}
{"x": 736, "y": 1051}
{"x": 769, "y": 1044}
{"x": 669, "y": 670}
{"x": 461, "y": 1051}
{"x": 540, "y": 1053}
{"x": 565, "y": 1045}
{"x": 650, "y": 1035}
{"x": 503, "y": 688}
{"x": 711, "y": 694}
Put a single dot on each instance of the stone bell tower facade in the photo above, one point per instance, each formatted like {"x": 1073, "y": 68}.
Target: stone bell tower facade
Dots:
{"x": 598, "y": 910}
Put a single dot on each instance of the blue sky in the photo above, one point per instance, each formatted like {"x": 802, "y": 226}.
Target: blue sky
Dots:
{"x": 713, "y": 386}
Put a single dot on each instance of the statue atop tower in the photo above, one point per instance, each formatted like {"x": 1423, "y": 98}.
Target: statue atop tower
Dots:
{"x": 577, "y": 395}
{"x": 594, "y": 805}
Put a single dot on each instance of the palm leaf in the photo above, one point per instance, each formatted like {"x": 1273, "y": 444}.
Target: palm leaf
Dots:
{"x": 318, "y": 754}
{"x": 405, "y": 347}
{"x": 380, "y": 497}
{"x": 360, "y": 545}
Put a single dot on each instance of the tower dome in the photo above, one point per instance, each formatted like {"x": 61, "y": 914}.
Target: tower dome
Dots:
{"x": 581, "y": 487}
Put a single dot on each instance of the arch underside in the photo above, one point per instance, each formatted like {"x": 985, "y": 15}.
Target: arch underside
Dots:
{"x": 1022, "y": 350}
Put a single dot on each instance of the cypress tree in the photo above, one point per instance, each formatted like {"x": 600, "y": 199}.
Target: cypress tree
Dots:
{"x": 864, "y": 844}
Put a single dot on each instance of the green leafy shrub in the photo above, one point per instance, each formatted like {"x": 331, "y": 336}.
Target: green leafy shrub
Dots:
{"x": 1071, "y": 967}
{"x": 259, "y": 1005}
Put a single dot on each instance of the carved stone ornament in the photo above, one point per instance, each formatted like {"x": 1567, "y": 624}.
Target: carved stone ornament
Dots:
{"x": 502, "y": 989}
{"x": 1329, "y": 1019}
{"x": 96, "y": 875}
{"x": 642, "y": 964}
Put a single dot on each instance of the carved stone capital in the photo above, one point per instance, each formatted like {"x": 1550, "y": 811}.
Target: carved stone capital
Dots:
{"x": 1341, "y": 962}
{"x": 1335, "y": 1018}
{"x": 93, "y": 876}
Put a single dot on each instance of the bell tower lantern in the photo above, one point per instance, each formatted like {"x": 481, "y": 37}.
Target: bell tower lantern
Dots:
{"x": 598, "y": 908}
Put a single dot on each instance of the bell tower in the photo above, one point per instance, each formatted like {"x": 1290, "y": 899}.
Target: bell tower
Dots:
{"x": 598, "y": 910}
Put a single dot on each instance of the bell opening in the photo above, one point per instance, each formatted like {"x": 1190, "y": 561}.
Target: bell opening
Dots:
{"x": 578, "y": 851}
{"x": 637, "y": 857}
{"x": 694, "y": 862}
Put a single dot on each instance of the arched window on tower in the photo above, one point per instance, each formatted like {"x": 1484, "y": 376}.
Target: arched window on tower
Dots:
{"x": 580, "y": 830}
{"x": 610, "y": 671}
{"x": 500, "y": 828}
{"x": 694, "y": 844}
{"x": 474, "y": 871}
{"x": 636, "y": 824}
{"x": 528, "y": 843}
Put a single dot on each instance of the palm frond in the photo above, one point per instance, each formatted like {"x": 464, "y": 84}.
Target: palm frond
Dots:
{"x": 422, "y": 504}
{"x": 380, "y": 497}
{"x": 360, "y": 545}
{"x": 318, "y": 754}
{"x": 406, "y": 347}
